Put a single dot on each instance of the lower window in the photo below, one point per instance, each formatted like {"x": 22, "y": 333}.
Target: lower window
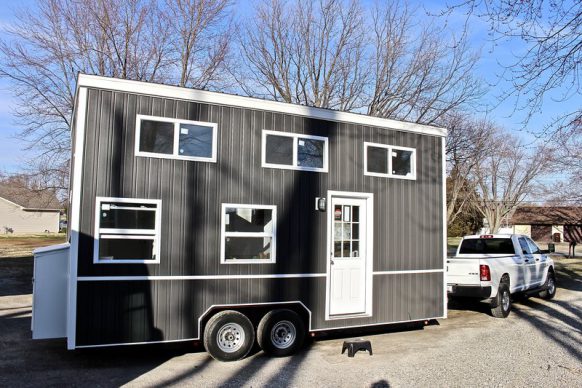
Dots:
{"x": 248, "y": 234}
{"x": 127, "y": 230}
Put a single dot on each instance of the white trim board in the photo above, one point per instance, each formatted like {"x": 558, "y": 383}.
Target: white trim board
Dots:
{"x": 79, "y": 128}
{"x": 199, "y": 277}
{"x": 93, "y": 81}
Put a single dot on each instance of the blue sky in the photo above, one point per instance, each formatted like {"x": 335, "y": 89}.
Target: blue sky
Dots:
{"x": 13, "y": 155}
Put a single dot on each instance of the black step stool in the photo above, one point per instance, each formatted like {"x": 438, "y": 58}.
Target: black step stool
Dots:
{"x": 354, "y": 346}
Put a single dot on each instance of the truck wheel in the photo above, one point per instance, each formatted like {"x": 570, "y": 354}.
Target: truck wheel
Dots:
{"x": 550, "y": 287}
{"x": 229, "y": 336}
{"x": 501, "y": 305}
{"x": 281, "y": 333}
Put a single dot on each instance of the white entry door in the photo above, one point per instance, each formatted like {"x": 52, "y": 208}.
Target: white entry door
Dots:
{"x": 348, "y": 256}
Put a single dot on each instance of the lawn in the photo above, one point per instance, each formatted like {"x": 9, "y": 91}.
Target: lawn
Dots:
{"x": 23, "y": 245}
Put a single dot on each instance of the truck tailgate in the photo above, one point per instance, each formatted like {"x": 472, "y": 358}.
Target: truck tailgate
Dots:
{"x": 463, "y": 271}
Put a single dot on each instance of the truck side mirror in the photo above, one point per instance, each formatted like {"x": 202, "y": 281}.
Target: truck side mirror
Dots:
{"x": 551, "y": 248}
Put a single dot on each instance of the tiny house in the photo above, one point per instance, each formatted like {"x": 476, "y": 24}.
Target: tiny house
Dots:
{"x": 205, "y": 216}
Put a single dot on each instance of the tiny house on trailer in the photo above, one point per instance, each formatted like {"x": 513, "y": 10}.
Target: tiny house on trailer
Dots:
{"x": 206, "y": 216}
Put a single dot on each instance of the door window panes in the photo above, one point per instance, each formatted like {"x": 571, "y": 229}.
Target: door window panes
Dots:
{"x": 346, "y": 231}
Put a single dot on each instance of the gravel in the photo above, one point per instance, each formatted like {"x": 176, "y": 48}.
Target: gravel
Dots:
{"x": 539, "y": 344}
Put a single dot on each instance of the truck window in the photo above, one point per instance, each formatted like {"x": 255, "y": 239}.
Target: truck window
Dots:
{"x": 487, "y": 246}
{"x": 534, "y": 248}
{"x": 524, "y": 247}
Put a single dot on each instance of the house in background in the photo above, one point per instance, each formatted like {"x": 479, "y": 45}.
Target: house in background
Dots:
{"x": 549, "y": 223}
{"x": 26, "y": 211}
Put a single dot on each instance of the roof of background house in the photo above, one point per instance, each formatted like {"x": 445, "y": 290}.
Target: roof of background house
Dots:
{"x": 547, "y": 215}
{"x": 30, "y": 199}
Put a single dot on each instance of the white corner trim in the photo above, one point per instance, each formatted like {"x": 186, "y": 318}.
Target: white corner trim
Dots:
{"x": 93, "y": 81}
{"x": 79, "y": 124}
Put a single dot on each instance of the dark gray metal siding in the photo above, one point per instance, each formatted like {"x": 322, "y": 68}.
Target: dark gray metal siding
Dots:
{"x": 407, "y": 214}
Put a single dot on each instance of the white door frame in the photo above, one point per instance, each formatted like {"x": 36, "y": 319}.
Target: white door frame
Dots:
{"x": 369, "y": 197}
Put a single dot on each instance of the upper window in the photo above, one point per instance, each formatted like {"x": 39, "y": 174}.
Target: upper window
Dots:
{"x": 127, "y": 230}
{"x": 294, "y": 151}
{"x": 161, "y": 137}
{"x": 248, "y": 234}
{"x": 389, "y": 161}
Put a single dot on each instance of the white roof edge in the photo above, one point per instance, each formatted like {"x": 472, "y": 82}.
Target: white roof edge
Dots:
{"x": 51, "y": 248}
{"x": 123, "y": 85}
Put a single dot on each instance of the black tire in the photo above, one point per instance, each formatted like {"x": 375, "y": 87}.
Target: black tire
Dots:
{"x": 501, "y": 305}
{"x": 229, "y": 336}
{"x": 281, "y": 333}
{"x": 550, "y": 287}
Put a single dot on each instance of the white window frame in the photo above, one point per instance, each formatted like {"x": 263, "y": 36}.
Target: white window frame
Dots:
{"x": 296, "y": 137}
{"x": 116, "y": 233}
{"x": 390, "y": 149}
{"x": 175, "y": 154}
{"x": 224, "y": 234}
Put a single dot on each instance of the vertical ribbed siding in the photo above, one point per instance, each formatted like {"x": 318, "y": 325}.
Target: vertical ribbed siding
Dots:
{"x": 407, "y": 215}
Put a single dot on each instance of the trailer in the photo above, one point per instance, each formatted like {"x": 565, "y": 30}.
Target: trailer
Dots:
{"x": 205, "y": 216}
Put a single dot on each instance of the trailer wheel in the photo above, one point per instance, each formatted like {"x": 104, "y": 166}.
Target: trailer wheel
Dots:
{"x": 550, "y": 287}
{"x": 229, "y": 336}
{"x": 501, "y": 305}
{"x": 281, "y": 333}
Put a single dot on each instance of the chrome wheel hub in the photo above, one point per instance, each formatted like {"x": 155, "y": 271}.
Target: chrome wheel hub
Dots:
{"x": 283, "y": 334}
{"x": 505, "y": 300}
{"x": 551, "y": 286}
{"x": 230, "y": 337}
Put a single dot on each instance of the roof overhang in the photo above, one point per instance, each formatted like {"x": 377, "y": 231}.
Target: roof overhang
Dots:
{"x": 160, "y": 90}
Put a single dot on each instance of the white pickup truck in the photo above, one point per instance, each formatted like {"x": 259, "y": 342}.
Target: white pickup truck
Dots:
{"x": 493, "y": 267}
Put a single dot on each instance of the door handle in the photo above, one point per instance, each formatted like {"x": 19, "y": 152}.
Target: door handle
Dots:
{"x": 331, "y": 261}
{"x": 526, "y": 260}
{"x": 537, "y": 259}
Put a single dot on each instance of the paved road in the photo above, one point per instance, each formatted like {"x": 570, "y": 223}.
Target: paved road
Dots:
{"x": 540, "y": 344}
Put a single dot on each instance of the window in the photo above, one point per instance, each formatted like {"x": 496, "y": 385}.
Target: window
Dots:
{"x": 533, "y": 247}
{"x": 248, "y": 234}
{"x": 127, "y": 230}
{"x": 294, "y": 151}
{"x": 160, "y": 137}
{"x": 389, "y": 161}
{"x": 487, "y": 246}
{"x": 524, "y": 247}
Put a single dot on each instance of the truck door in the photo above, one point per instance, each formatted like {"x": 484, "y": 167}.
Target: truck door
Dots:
{"x": 539, "y": 265}
{"x": 528, "y": 267}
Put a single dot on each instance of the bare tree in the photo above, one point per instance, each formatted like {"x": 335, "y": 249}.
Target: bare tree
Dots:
{"x": 305, "y": 52}
{"x": 550, "y": 33}
{"x": 134, "y": 39}
{"x": 337, "y": 55}
{"x": 419, "y": 73}
{"x": 505, "y": 176}
{"x": 200, "y": 33}
{"x": 468, "y": 141}
{"x": 566, "y": 149}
